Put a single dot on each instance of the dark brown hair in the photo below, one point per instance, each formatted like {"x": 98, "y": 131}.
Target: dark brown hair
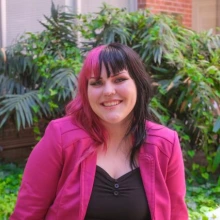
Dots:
{"x": 115, "y": 57}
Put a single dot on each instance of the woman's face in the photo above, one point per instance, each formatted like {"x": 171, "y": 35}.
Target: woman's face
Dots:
{"x": 113, "y": 98}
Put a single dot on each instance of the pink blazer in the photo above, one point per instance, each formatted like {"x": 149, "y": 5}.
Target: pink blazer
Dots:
{"x": 59, "y": 174}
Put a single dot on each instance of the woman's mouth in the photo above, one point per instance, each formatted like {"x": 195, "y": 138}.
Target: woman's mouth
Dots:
{"x": 111, "y": 103}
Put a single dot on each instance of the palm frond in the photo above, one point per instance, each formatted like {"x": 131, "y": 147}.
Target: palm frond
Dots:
{"x": 22, "y": 108}
{"x": 10, "y": 86}
{"x": 65, "y": 81}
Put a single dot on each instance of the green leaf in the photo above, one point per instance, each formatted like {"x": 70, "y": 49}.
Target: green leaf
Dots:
{"x": 36, "y": 108}
{"x": 216, "y": 161}
{"x": 195, "y": 166}
{"x": 216, "y": 126}
{"x": 191, "y": 153}
{"x": 23, "y": 106}
{"x": 205, "y": 176}
{"x": 53, "y": 92}
{"x": 36, "y": 130}
{"x": 204, "y": 217}
{"x": 54, "y": 12}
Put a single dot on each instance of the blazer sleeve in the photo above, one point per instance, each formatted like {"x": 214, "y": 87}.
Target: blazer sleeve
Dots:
{"x": 176, "y": 182}
{"x": 41, "y": 176}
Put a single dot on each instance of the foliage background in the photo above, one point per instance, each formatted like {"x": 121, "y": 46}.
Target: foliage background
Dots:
{"x": 10, "y": 178}
{"x": 38, "y": 76}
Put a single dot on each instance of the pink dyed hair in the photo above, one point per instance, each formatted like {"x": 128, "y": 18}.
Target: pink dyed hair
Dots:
{"x": 115, "y": 57}
{"x": 80, "y": 108}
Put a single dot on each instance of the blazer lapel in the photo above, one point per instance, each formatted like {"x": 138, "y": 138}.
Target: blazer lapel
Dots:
{"x": 87, "y": 176}
{"x": 147, "y": 168}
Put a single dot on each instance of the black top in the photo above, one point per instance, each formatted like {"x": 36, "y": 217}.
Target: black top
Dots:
{"x": 118, "y": 199}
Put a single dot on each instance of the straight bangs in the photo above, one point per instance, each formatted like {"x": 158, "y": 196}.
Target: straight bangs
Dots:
{"x": 80, "y": 108}
{"x": 91, "y": 65}
{"x": 113, "y": 60}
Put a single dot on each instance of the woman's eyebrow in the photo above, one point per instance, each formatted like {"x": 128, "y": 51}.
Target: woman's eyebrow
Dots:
{"x": 97, "y": 78}
{"x": 112, "y": 75}
{"x": 116, "y": 74}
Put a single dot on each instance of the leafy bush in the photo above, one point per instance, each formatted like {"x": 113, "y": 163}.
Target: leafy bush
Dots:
{"x": 10, "y": 178}
{"x": 38, "y": 73}
{"x": 202, "y": 199}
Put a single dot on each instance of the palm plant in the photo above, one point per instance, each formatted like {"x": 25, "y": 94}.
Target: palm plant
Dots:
{"x": 38, "y": 73}
{"x": 103, "y": 27}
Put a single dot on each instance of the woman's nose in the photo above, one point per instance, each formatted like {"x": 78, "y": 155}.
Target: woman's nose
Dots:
{"x": 109, "y": 89}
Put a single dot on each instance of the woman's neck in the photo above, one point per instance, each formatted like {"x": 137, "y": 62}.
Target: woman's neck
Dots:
{"x": 116, "y": 131}
{"x": 117, "y": 138}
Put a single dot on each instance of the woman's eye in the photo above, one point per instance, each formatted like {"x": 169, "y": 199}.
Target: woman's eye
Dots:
{"x": 120, "y": 80}
{"x": 96, "y": 83}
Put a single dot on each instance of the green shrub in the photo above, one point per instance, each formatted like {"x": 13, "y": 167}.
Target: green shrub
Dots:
{"x": 202, "y": 199}
{"x": 10, "y": 178}
{"x": 39, "y": 75}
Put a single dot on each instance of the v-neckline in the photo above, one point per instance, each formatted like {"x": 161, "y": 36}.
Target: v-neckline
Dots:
{"x": 122, "y": 177}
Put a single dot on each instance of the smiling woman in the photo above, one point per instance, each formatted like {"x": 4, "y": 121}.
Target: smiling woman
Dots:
{"x": 112, "y": 98}
{"x": 106, "y": 159}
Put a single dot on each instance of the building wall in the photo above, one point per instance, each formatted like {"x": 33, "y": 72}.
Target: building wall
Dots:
{"x": 94, "y": 6}
{"x": 181, "y": 8}
{"x": 218, "y": 14}
{"x": 22, "y": 16}
{"x": 206, "y": 14}
{"x": 1, "y": 42}
{"x": 17, "y": 17}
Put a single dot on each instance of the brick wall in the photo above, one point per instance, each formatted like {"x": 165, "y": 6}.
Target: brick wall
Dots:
{"x": 181, "y": 8}
{"x": 206, "y": 14}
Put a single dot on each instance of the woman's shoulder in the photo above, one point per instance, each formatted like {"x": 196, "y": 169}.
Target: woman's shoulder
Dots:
{"x": 157, "y": 133}
{"x": 68, "y": 129}
{"x": 162, "y": 138}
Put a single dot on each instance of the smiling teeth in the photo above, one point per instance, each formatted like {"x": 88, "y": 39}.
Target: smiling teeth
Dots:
{"x": 107, "y": 104}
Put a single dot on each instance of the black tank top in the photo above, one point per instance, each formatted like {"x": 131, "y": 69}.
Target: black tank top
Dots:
{"x": 118, "y": 199}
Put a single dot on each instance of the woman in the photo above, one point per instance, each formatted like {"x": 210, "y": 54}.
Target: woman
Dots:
{"x": 105, "y": 159}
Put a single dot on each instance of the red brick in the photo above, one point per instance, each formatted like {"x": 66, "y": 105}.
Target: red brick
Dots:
{"x": 183, "y": 7}
{"x": 141, "y": 4}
